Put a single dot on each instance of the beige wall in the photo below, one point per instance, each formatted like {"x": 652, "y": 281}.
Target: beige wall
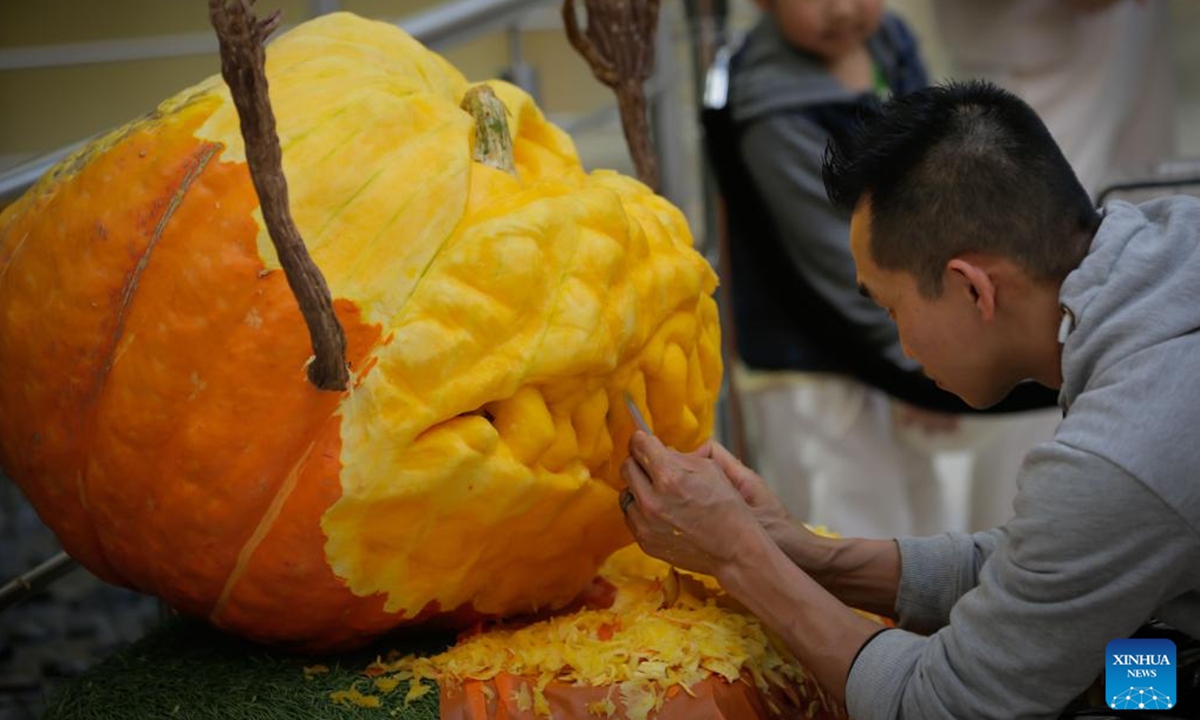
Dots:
{"x": 44, "y": 109}
{"x": 47, "y": 108}
{"x": 1185, "y": 27}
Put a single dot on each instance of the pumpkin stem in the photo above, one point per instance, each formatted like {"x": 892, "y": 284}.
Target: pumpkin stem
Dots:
{"x": 618, "y": 44}
{"x": 493, "y": 142}
{"x": 243, "y": 65}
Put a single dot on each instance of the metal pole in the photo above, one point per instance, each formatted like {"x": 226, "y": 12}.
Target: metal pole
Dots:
{"x": 666, "y": 115}
{"x": 35, "y": 580}
{"x": 324, "y": 7}
{"x": 707, "y": 20}
{"x": 14, "y": 182}
{"x": 460, "y": 21}
{"x": 520, "y": 73}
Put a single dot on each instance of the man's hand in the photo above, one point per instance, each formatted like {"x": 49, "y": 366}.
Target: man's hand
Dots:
{"x": 804, "y": 547}
{"x": 686, "y": 510}
{"x": 767, "y": 508}
{"x": 703, "y": 514}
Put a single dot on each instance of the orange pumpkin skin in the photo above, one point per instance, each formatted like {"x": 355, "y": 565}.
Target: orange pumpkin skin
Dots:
{"x": 156, "y": 409}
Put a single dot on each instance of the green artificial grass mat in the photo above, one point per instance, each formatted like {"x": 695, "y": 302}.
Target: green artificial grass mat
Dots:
{"x": 187, "y": 670}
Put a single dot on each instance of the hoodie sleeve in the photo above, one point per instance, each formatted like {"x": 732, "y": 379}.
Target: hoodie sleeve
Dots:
{"x": 1090, "y": 555}
{"x": 936, "y": 572}
{"x": 782, "y": 153}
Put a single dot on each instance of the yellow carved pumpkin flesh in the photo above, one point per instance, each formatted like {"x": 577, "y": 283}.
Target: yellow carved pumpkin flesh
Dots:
{"x": 156, "y": 409}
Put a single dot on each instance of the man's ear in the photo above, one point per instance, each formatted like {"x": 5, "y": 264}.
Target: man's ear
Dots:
{"x": 971, "y": 278}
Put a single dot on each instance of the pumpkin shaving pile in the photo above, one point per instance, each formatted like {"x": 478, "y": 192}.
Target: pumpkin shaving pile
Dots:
{"x": 644, "y": 649}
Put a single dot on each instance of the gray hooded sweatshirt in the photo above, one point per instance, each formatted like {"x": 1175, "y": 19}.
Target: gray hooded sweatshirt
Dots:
{"x": 1106, "y": 533}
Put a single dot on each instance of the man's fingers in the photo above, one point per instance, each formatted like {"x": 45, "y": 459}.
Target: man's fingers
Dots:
{"x": 704, "y": 452}
{"x": 645, "y": 448}
{"x": 734, "y": 469}
{"x": 726, "y": 461}
{"x": 635, "y": 515}
{"x": 647, "y": 531}
{"x": 664, "y": 467}
{"x": 638, "y": 483}
{"x": 626, "y": 498}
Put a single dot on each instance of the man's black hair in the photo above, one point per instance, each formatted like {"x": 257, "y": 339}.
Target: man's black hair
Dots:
{"x": 957, "y": 168}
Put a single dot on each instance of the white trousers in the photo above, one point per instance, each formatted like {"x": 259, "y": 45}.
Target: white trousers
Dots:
{"x": 837, "y": 454}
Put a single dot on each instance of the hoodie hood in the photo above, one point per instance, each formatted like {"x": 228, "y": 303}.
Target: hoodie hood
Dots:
{"x": 772, "y": 75}
{"x": 1138, "y": 287}
{"x": 1131, "y": 361}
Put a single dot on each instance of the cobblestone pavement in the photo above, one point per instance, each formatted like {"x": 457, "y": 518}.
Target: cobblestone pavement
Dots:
{"x": 60, "y": 632}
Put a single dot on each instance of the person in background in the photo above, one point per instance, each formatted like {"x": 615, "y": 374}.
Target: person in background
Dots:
{"x": 970, "y": 228}
{"x": 1098, "y": 72}
{"x": 842, "y": 425}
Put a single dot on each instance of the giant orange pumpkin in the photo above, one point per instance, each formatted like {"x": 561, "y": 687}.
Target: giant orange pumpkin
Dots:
{"x": 155, "y": 407}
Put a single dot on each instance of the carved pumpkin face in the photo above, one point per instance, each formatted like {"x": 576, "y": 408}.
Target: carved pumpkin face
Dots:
{"x": 155, "y": 405}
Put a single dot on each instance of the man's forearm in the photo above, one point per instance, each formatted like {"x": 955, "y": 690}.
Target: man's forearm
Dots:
{"x": 861, "y": 573}
{"x": 820, "y": 631}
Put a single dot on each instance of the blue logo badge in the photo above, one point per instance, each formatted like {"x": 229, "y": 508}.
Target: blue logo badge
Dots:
{"x": 1140, "y": 674}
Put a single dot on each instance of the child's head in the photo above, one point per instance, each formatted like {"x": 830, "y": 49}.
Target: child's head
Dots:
{"x": 826, "y": 28}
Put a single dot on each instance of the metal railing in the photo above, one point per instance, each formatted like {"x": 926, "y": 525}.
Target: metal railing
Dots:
{"x": 36, "y": 580}
{"x": 443, "y": 26}
{"x": 440, "y": 27}
{"x": 458, "y": 22}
